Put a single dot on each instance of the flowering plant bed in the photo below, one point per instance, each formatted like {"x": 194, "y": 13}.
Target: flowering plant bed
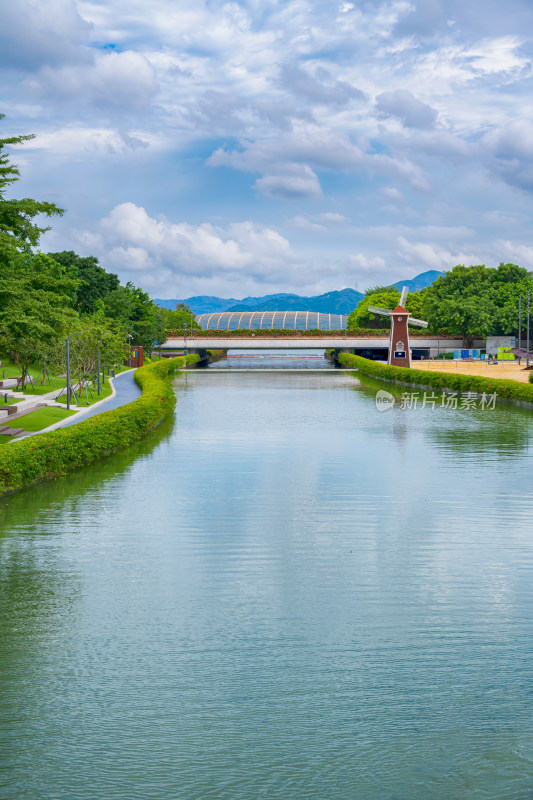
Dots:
{"x": 275, "y": 333}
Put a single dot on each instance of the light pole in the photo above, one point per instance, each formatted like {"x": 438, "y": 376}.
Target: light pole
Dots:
{"x": 185, "y": 339}
{"x": 129, "y": 348}
{"x": 98, "y": 367}
{"x": 68, "y": 367}
{"x": 528, "y": 329}
{"x": 520, "y": 322}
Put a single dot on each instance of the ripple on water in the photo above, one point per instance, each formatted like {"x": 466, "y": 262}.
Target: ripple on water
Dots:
{"x": 290, "y": 595}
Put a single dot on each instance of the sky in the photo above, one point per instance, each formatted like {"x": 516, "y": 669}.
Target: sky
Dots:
{"x": 245, "y": 148}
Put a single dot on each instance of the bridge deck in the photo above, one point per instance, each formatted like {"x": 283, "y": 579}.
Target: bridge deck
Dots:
{"x": 308, "y": 343}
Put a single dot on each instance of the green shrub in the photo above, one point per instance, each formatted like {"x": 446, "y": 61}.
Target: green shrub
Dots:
{"x": 530, "y": 378}
{"x": 64, "y": 450}
{"x": 505, "y": 389}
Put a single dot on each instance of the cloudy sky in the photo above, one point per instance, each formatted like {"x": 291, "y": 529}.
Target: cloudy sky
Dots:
{"x": 255, "y": 146}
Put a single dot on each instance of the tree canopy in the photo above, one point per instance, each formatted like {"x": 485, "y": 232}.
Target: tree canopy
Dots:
{"x": 383, "y": 297}
{"x": 19, "y": 232}
{"x": 176, "y": 319}
{"x": 477, "y": 301}
{"x": 45, "y": 297}
{"x": 94, "y": 283}
{"x": 35, "y": 309}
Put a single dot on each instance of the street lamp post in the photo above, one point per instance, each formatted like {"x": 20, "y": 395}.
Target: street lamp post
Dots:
{"x": 520, "y": 322}
{"x": 68, "y": 367}
{"x": 528, "y": 295}
{"x": 129, "y": 348}
{"x": 185, "y": 339}
{"x": 98, "y": 368}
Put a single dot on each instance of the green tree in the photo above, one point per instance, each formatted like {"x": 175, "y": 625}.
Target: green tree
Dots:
{"x": 118, "y": 305}
{"x": 176, "y": 319}
{"x": 147, "y": 325}
{"x": 477, "y": 300}
{"x": 35, "y": 310}
{"x": 95, "y": 283}
{"x": 19, "y": 232}
{"x": 383, "y": 297}
{"x": 143, "y": 319}
{"x": 90, "y": 339}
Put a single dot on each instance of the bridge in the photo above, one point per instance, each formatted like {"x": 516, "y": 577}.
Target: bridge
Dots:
{"x": 426, "y": 346}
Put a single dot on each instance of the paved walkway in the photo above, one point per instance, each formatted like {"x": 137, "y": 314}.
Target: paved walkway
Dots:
{"x": 126, "y": 391}
{"x": 511, "y": 370}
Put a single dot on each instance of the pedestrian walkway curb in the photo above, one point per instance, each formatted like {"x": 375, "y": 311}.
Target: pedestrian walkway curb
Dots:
{"x": 80, "y": 412}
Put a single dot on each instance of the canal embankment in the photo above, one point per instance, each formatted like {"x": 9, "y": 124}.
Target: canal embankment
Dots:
{"x": 65, "y": 450}
{"x": 506, "y": 390}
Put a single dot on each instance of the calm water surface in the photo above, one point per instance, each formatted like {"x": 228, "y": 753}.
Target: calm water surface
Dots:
{"x": 287, "y": 595}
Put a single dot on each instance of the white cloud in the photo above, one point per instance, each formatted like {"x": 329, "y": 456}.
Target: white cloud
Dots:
{"x": 296, "y": 180}
{"x": 279, "y": 92}
{"x": 428, "y": 255}
{"x": 513, "y": 253}
{"x": 98, "y": 141}
{"x": 333, "y": 218}
{"x": 402, "y": 104}
{"x": 511, "y": 147}
{"x": 115, "y": 81}
{"x": 393, "y": 194}
{"x": 320, "y": 87}
{"x": 35, "y": 33}
{"x": 368, "y": 264}
{"x": 132, "y": 240}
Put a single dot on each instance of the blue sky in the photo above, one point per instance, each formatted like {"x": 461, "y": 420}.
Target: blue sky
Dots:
{"x": 238, "y": 148}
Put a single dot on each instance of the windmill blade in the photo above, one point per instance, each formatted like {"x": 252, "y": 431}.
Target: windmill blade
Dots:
{"x": 403, "y": 298}
{"x": 419, "y": 322}
{"x": 376, "y": 310}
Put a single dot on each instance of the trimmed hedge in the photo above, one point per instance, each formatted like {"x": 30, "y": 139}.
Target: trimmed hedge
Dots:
{"x": 51, "y": 455}
{"x": 506, "y": 389}
{"x": 275, "y": 333}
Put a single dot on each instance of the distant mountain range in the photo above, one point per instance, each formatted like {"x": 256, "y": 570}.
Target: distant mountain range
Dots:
{"x": 341, "y": 302}
{"x": 419, "y": 281}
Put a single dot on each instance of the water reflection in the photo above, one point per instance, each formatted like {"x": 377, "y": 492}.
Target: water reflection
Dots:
{"x": 290, "y": 594}
{"x": 275, "y": 359}
{"x": 31, "y": 510}
{"x": 503, "y": 432}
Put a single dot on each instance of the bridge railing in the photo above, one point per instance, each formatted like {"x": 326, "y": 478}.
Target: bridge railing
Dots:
{"x": 277, "y": 333}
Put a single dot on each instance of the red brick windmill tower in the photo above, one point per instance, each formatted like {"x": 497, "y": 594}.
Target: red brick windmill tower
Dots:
{"x": 399, "y": 348}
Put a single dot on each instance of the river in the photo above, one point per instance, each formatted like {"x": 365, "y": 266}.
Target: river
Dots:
{"x": 287, "y": 594}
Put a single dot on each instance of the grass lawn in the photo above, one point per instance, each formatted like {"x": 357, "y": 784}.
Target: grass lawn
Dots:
{"x": 10, "y": 401}
{"x": 105, "y": 391}
{"x": 48, "y": 387}
{"x": 37, "y": 420}
{"x": 11, "y": 371}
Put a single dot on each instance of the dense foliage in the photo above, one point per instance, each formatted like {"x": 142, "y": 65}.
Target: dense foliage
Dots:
{"x": 466, "y": 301}
{"x": 18, "y": 230}
{"x": 179, "y": 319}
{"x": 45, "y": 298}
{"x": 383, "y": 297}
{"x": 478, "y": 300}
{"x": 65, "y": 450}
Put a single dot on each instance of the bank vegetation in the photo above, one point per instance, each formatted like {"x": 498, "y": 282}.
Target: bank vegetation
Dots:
{"x": 51, "y": 455}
